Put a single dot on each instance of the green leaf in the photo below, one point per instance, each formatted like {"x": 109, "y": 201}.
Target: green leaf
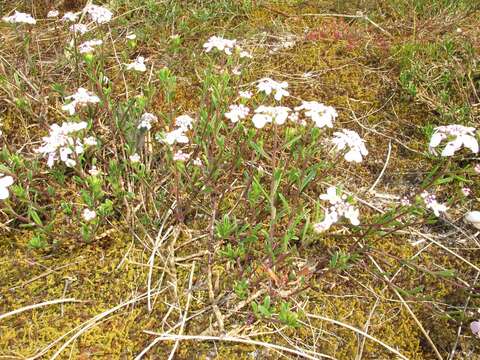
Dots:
{"x": 34, "y": 216}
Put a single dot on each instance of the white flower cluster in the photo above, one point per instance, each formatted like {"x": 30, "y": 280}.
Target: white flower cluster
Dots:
{"x": 5, "y": 182}
{"x": 81, "y": 98}
{"x": 146, "y": 121}
{"x": 70, "y": 16}
{"x": 237, "y": 112}
{"x": 225, "y": 45}
{"x": 432, "y": 203}
{"x": 20, "y": 18}
{"x": 89, "y": 46}
{"x": 457, "y": 136}
{"x": 79, "y": 28}
{"x": 351, "y": 140}
{"x": 219, "y": 43}
{"x": 88, "y": 215}
{"x": 60, "y": 143}
{"x": 269, "y": 86}
{"x": 270, "y": 114}
{"x": 138, "y": 65}
{"x": 53, "y": 13}
{"x": 98, "y": 14}
{"x": 183, "y": 123}
{"x": 322, "y": 115}
{"x": 339, "y": 208}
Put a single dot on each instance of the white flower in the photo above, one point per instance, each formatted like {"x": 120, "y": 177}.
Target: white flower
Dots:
{"x": 351, "y": 140}
{"x": 98, "y": 14}
{"x": 197, "y": 162}
{"x": 135, "y": 158}
{"x": 466, "y": 191}
{"x": 267, "y": 114}
{"x": 237, "y": 112}
{"x": 245, "y": 54}
{"x": 320, "y": 114}
{"x": 146, "y": 121}
{"x": 5, "y": 182}
{"x": 138, "y": 64}
{"x": 81, "y": 98}
{"x": 53, "y": 14}
{"x": 295, "y": 118}
{"x": 329, "y": 219}
{"x": 94, "y": 171}
{"x": 89, "y": 46}
{"x": 131, "y": 36}
{"x": 339, "y": 208}
{"x": 20, "y": 18}
{"x": 220, "y": 44}
{"x": 70, "y": 16}
{"x": 245, "y": 94}
{"x": 457, "y": 136}
{"x": 477, "y": 168}
{"x": 432, "y": 203}
{"x": 473, "y": 217}
{"x": 59, "y": 144}
{"x": 237, "y": 70}
{"x": 90, "y": 141}
{"x": 268, "y": 86}
{"x": 180, "y": 156}
{"x": 176, "y": 136}
{"x": 89, "y": 215}
{"x": 331, "y": 196}
{"x": 352, "y": 214}
{"x": 79, "y": 28}
{"x": 184, "y": 122}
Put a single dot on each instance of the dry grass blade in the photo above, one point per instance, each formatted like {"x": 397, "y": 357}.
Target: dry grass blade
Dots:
{"x": 360, "y": 332}
{"x": 35, "y": 306}
{"x": 301, "y": 353}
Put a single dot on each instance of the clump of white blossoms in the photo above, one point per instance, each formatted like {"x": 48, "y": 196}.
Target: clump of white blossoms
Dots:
{"x": 268, "y": 114}
{"x": 53, "y": 14}
{"x": 81, "y": 98}
{"x": 237, "y": 112}
{"x": 245, "y": 94}
{"x": 89, "y": 46}
{"x": 457, "y": 136}
{"x": 20, "y": 18}
{"x": 135, "y": 158}
{"x": 89, "y": 215}
{"x": 70, "y": 16}
{"x": 59, "y": 144}
{"x": 146, "y": 121}
{"x": 181, "y": 156}
{"x": 79, "y": 29}
{"x": 269, "y": 86}
{"x": 219, "y": 43}
{"x": 473, "y": 217}
{"x": 322, "y": 115}
{"x": 94, "y": 171}
{"x": 5, "y": 182}
{"x": 339, "y": 207}
{"x": 183, "y": 123}
{"x": 351, "y": 140}
{"x": 245, "y": 55}
{"x": 138, "y": 65}
{"x": 98, "y": 14}
{"x": 432, "y": 203}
